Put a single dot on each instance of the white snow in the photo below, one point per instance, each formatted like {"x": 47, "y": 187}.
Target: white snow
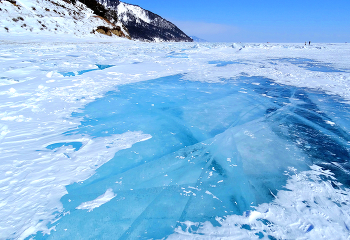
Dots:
{"x": 37, "y": 102}
{"x": 139, "y": 13}
{"x": 50, "y": 17}
{"x": 308, "y": 209}
{"x": 104, "y": 198}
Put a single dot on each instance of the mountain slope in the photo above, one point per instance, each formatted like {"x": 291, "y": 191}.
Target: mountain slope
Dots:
{"x": 144, "y": 25}
{"x": 197, "y": 39}
{"x": 86, "y": 17}
{"x": 54, "y": 16}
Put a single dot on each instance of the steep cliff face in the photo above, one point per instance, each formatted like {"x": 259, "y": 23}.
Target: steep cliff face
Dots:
{"x": 144, "y": 25}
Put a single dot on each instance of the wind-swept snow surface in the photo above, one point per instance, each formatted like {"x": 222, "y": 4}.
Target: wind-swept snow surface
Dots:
{"x": 124, "y": 140}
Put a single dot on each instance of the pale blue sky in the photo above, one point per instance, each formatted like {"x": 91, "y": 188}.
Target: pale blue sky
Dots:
{"x": 257, "y": 20}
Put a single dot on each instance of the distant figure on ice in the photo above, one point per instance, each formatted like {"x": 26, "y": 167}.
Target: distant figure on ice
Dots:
{"x": 305, "y": 43}
{"x": 309, "y": 43}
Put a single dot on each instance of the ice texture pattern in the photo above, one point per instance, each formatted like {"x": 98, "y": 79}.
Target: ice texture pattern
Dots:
{"x": 195, "y": 141}
{"x": 216, "y": 150}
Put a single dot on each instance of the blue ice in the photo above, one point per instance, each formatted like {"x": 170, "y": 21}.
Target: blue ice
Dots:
{"x": 312, "y": 65}
{"x": 220, "y": 63}
{"x": 75, "y": 145}
{"x": 217, "y": 149}
{"x": 177, "y": 55}
{"x": 72, "y": 74}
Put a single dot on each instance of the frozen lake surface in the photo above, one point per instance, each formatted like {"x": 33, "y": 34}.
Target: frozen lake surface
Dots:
{"x": 180, "y": 141}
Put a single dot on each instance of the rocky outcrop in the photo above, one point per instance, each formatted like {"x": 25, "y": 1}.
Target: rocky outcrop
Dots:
{"x": 101, "y": 10}
{"x": 112, "y": 31}
{"x": 109, "y": 15}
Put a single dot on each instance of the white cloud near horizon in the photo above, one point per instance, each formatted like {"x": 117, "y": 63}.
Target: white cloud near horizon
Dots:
{"x": 208, "y": 31}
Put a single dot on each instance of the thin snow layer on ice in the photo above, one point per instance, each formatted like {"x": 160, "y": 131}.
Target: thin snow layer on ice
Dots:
{"x": 36, "y": 180}
{"x": 91, "y": 205}
{"x": 75, "y": 118}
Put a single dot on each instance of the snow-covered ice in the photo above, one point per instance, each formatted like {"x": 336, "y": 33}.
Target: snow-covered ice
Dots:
{"x": 106, "y": 197}
{"x": 127, "y": 140}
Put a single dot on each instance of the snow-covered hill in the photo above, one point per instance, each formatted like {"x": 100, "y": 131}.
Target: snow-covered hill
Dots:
{"x": 144, "y": 25}
{"x": 54, "y": 16}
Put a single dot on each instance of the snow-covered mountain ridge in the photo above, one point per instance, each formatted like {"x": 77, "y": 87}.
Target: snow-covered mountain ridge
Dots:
{"x": 55, "y": 16}
{"x": 145, "y": 25}
{"x": 86, "y": 17}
